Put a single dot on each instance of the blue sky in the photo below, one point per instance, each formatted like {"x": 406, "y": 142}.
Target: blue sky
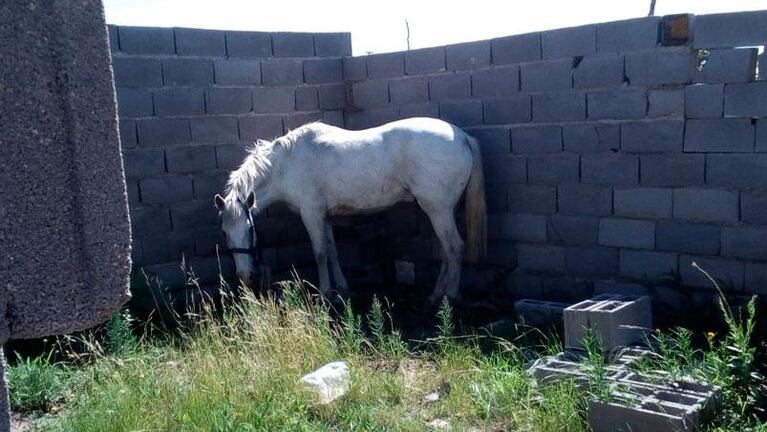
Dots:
{"x": 380, "y": 26}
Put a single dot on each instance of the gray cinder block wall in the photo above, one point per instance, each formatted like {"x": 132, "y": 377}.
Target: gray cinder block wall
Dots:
{"x": 190, "y": 102}
{"x": 613, "y": 157}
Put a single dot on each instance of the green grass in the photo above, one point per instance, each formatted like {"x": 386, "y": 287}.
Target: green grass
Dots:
{"x": 240, "y": 372}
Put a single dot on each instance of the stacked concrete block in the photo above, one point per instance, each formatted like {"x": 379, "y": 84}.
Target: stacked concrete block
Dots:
{"x": 539, "y": 312}
{"x": 616, "y": 320}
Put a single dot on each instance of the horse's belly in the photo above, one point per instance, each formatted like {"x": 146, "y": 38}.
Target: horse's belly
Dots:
{"x": 354, "y": 201}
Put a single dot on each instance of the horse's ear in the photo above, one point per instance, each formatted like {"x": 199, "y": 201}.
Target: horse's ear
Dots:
{"x": 250, "y": 200}
{"x": 219, "y": 202}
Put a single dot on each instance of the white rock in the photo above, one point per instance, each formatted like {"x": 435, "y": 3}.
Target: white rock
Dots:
{"x": 330, "y": 382}
{"x": 439, "y": 424}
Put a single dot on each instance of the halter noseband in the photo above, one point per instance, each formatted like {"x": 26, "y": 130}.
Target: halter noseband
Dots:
{"x": 254, "y": 251}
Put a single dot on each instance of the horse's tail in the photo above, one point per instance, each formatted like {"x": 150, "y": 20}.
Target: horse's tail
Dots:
{"x": 476, "y": 207}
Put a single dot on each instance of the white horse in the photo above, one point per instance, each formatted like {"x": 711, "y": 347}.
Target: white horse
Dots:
{"x": 320, "y": 170}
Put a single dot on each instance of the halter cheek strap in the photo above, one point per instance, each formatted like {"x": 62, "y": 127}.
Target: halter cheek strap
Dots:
{"x": 254, "y": 251}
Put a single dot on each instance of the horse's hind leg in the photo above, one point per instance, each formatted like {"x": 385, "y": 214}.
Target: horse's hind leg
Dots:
{"x": 314, "y": 221}
{"x": 341, "y": 285}
{"x": 443, "y": 222}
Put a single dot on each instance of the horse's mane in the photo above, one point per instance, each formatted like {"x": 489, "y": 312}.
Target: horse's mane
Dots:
{"x": 257, "y": 164}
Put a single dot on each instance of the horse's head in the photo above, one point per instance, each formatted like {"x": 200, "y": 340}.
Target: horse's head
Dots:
{"x": 239, "y": 232}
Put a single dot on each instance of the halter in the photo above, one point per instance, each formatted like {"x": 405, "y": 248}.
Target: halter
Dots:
{"x": 254, "y": 251}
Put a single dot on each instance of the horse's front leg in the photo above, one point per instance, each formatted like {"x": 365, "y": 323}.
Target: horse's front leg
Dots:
{"x": 341, "y": 285}
{"x": 314, "y": 221}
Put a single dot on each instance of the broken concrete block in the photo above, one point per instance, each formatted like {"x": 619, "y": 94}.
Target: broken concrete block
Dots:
{"x": 617, "y": 320}
{"x": 329, "y": 382}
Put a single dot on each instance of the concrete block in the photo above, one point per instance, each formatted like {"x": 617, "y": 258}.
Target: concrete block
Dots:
{"x": 194, "y": 215}
{"x": 282, "y": 72}
{"x": 728, "y": 66}
{"x": 532, "y": 199}
{"x": 409, "y": 90}
{"x": 163, "y": 132}
{"x": 628, "y": 35}
{"x": 704, "y": 101}
{"x": 628, "y": 103}
{"x": 493, "y": 141}
{"x": 307, "y": 98}
{"x": 229, "y": 156}
{"x": 647, "y": 265}
{"x": 355, "y": 68}
{"x": 554, "y": 169}
{"x": 642, "y": 202}
{"x": 617, "y": 321}
{"x": 650, "y": 415}
{"x": 450, "y": 86}
{"x": 128, "y": 134}
{"x": 661, "y": 66}
{"x": 333, "y": 44}
{"x": 323, "y": 70}
{"x": 332, "y": 96}
{"x": 149, "y": 221}
{"x": 559, "y": 106}
{"x": 187, "y": 72}
{"x": 143, "y": 162}
{"x": 190, "y": 159}
{"x": 599, "y": 71}
{"x": 219, "y": 129}
{"x": 610, "y": 169}
{"x": 260, "y": 127}
{"x": 166, "y": 189}
{"x": 273, "y": 100}
{"x": 425, "y": 60}
{"x": 523, "y": 284}
{"x": 744, "y": 242}
{"x": 207, "y": 184}
{"x": 146, "y": 40}
{"x": 420, "y": 110}
{"x": 517, "y": 109}
{"x": 466, "y": 113}
{"x": 137, "y": 72}
{"x": 541, "y": 258}
{"x": 229, "y": 100}
{"x": 539, "y": 312}
{"x": 585, "y": 200}
{"x": 496, "y": 82}
{"x": 669, "y": 170}
{"x": 171, "y": 102}
{"x": 523, "y": 227}
{"x": 753, "y": 206}
{"x": 676, "y": 29}
{"x": 745, "y": 100}
{"x": 296, "y": 120}
{"x": 385, "y": 65}
{"x": 199, "y": 42}
{"x": 738, "y": 171}
{"x": 536, "y": 139}
{"x": 756, "y": 278}
{"x": 761, "y": 135}
{"x": 591, "y": 137}
{"x": 293, "y": 44}
{"x": 114, "y": 39}
{"x": 466, "y": 56}
{"x": 516, "y": 49}
{"x": 652, "y": 136}
{"x": 248, "y": 44}
{"x": 686, "y": 237}
{"x": 591, "y": 261}
{"x": 719, "y": 135}
{"x": 134, "y": 102}
{"x": 333, "y": 118}
{"x": 616, "y": 287}
{"x": 630, "y": 233}
{"x": 237, "y": 72}
{"x": 729, "y": 274}
{"x": 369, "y": 94}
{"x": 712, "y": 205}
{"x": 505, "y": 170}
{"x": 665, "y": 103}
{"x": 572, "y": 230}
{"x": 569, "y": 42}
{"x": 545, "y": 76}
{"x": 730, "y": 29}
